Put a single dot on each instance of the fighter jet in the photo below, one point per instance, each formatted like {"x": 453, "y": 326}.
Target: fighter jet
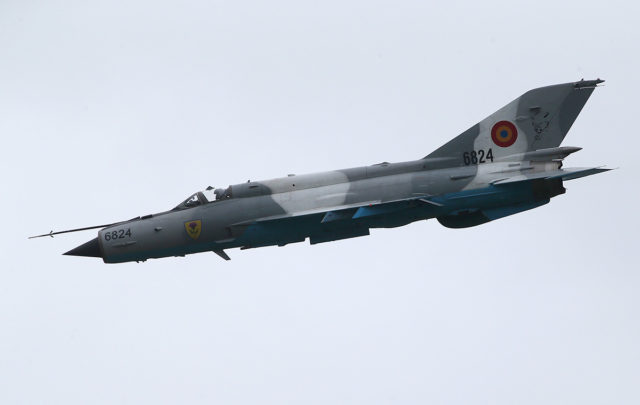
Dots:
{"x": 507, "y": 163}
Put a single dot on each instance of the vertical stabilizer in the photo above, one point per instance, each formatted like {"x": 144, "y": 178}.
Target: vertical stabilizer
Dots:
{"x": 538, "y": 119}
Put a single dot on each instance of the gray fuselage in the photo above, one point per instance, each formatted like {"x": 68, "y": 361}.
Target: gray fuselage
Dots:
{"x": 291, "y": 209}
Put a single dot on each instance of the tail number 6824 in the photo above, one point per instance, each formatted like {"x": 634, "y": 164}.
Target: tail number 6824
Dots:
{"x": 477, "y": 156}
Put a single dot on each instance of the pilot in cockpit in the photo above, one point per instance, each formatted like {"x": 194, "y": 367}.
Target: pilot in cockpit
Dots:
{"x": 216, "y": 194}
{"x": 204, "y": 197}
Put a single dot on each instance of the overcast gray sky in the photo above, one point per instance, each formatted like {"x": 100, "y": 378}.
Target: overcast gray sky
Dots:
{"x": 113, "y": 109}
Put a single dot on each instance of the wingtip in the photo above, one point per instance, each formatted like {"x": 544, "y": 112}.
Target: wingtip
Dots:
{"x": 588, "y": 83}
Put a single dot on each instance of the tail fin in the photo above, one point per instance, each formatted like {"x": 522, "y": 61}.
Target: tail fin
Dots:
{"x": 538, "y": 119}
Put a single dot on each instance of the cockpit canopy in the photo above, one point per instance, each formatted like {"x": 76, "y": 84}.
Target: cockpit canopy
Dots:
{"x": 204, "y": 197}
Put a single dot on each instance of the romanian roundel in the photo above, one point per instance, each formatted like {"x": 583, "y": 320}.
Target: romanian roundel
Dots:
{"x": 504, "y": 134}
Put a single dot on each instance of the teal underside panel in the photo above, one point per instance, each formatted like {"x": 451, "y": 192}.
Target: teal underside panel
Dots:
{"x": 333, "y": 216}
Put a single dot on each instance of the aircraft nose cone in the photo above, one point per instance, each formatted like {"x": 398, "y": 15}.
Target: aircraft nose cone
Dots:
{"x": 89, "y": 249}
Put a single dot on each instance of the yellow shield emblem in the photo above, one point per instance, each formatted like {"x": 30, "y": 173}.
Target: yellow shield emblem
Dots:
{"x": 193, "y": 228}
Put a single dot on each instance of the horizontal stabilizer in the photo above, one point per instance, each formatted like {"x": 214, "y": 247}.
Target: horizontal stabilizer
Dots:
{"x": 564, "y": 174}
{"x": 576, "y": 173}
{"x": 541, "y": 155}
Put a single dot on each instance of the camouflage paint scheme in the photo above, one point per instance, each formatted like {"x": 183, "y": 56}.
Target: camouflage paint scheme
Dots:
{"x": 507, "y": 163}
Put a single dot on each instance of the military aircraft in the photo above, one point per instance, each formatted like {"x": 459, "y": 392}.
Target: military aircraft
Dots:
{"x": 507, "y": 163}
